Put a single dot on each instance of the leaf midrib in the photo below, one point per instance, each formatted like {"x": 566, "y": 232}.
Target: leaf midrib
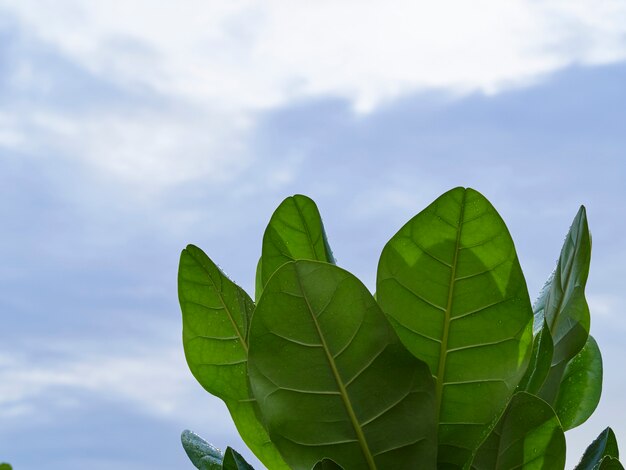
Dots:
{"x": 306, "y": 229}
{"x": 443, "y": 351}
{"x": 563, "y": 286}
{"x": 226, "y": 309}
{"x": 342, "y": 389}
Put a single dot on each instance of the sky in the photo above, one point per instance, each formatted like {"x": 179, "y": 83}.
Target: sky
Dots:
{"x": 129, "y": 129}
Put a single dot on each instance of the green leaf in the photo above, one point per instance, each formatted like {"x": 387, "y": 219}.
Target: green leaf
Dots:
{"x": 605, "y": 445}
{"x": 5, "y": 466}
{"x": 581, "y": 386}
{"x": 563, "y": 305}
{"x": 331, "y": 378}
{"x": 609, "y": 463}
{"x": 234, "y": 461}
{"x": 215, "y": 326}
{"x": 452, "y": 286}
{"x": 540, "y": 361}
{"x": 202, "y": 454}
{"x": 295, "y": 232}
{"x": 327, "y": 464}
{"x": 527, "y": 436}
{"x": 258, "y": 280}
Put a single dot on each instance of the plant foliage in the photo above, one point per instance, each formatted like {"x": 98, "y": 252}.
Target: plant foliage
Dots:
{"x": 448, "y": 366}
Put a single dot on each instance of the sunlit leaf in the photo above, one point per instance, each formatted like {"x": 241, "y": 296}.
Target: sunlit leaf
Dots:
{"x": 332, "y": 379}
{"x": 451, "y": 283}
{"x": 295, "y": 231}
{"x": 581, "y": 386}
{"x": 528, "y": 436}
{"x": 563, "y": 305}
{"x": 215, "y": 326}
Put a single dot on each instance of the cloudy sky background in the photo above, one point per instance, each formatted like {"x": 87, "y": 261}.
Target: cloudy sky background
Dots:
{"x": 129, "y": 129}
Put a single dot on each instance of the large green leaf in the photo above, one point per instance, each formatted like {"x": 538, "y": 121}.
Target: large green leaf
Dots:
{"x": 215, "y": 326}
{"x": 203, "y": 455}
{"x": 234, "y": 461}
{"x": 581, "y": 386}
{"x": 451, "y": 283}
{"x": 563, "y": 305}
{"x": 5, "y": 466}
{"x": 332, "y": 379}
{"x": 295, "y": 231}
{"x": 605, "y": 445}
{"x": 528, "y": 436}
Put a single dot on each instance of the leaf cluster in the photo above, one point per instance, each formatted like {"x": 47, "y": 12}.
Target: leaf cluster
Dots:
{"x": 447, "y": 366}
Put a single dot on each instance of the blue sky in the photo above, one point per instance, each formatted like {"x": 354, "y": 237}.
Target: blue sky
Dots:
{"x": 130, "y": 131}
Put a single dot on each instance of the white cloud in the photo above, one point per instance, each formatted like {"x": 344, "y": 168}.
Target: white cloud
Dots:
{"x": 154, "y": 380}
{"x": 232, "y": 59}
{"x": 253, "y": 54}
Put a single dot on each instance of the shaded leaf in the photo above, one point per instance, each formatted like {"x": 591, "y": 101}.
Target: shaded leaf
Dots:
{"x": 234, "y": 461}
{"x": 563, "y": 304}
{"x": 202, "y": 454}
{"x": 332, "y": 379}
{"x": 528, "y": 436}
{"x": 540, "y": 361}
{"x": 609, "y": 463}
{"x": 295, "y": 231}
{"x": 327, "y": 464}
{"x": 451, "y": 284}
{"x": 605, "y": 445}
{"x": 215, "y": 326}
{"x": 581, "y": 386}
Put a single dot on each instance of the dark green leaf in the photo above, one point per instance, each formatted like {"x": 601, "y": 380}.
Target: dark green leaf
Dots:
{"x": 451, "y": 283}
{"x": 215, "y": 325}
{"x": 234, "y": 461}
{"x": 295, "y": 232}
{"x": 605, "y": 445}
{"x": 581, "y": 386}
{"x": 202, "y": 454}
{"x": 327, "y": 464}
{"x": 540, "y": 361}
{"x": 5, "y": 466}
{"x": 609, "y": 463}
{"x": 527, "y": 436}
{"x": 563, "y": 305}
{"x": 331, "y": 378}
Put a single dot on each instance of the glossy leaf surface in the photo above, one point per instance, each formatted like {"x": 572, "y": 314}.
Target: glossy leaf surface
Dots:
{"x": 605, "y": 445}
{"x": 202, "y": 454}
{"x": 563, "y": 304}
{"x": 234, "y": 461}
{"x": 540, "y": 361}
{"x": 581, "y": 386}
{"x": 451, "y": 283}
{"x": 528, "y": 436}
{"x": 332, "y": 379}
{"x": 215, "y": 325}
{"x": 295, "y": 231}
